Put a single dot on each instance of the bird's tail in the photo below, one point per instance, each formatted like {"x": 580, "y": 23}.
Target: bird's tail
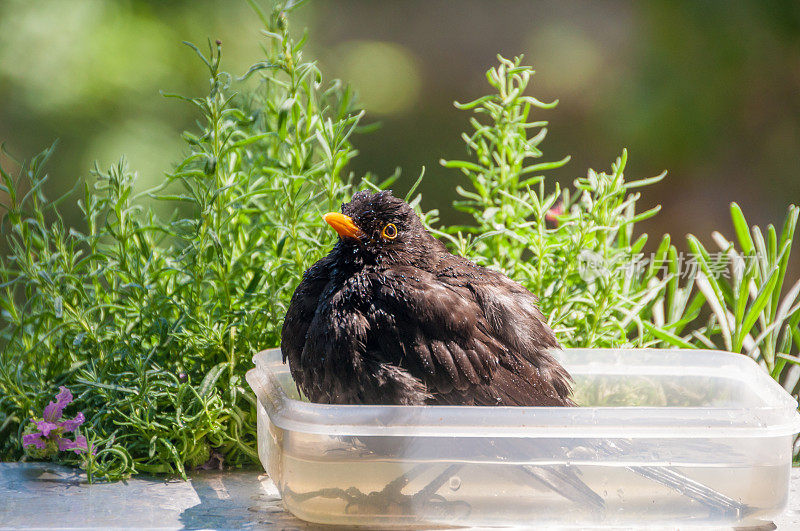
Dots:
{"x": 677, "y": 481}
{"x": 691, "y": 489}
{"x": 565, "y": 481}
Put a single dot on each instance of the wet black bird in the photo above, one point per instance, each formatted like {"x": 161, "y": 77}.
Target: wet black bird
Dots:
{"x": 389, "y": 316}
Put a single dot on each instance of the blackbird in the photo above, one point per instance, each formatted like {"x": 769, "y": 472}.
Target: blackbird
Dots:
{"x": 391, "y": 317}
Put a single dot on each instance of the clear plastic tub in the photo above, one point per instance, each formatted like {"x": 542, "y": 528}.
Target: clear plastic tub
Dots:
{"x": 664, "y": 437}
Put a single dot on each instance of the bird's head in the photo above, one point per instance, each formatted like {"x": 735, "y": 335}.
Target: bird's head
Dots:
{"x": 378, "y": 227}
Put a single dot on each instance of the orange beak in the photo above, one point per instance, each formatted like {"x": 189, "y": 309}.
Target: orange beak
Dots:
{"x": 343, "y": 225}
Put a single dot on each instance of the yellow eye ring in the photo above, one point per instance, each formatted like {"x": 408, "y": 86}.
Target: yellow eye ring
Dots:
{"x": 389, "y": 231}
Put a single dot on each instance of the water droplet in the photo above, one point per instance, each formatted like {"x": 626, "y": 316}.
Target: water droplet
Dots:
{"x": 455, "y": 483}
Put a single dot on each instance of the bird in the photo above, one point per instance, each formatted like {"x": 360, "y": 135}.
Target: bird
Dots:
{"x": 391, "y": 317}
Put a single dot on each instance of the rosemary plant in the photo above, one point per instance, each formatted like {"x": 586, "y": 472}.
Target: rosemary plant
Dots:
{"x": 151, "y": 322}
{"x": 578, "y": 250}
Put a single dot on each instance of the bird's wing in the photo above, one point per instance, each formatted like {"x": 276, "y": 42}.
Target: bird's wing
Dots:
{"x": 300, "y": 314}
{"x": 474, "y": 337}
{"x": 514, "y": 318}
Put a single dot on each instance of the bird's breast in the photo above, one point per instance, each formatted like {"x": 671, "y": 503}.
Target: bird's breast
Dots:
{"x": 351, "y": 291}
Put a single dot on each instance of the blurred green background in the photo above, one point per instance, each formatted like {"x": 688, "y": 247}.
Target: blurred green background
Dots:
{"x": 707, "y": 90}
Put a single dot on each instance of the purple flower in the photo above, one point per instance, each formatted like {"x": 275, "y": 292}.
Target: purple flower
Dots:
{"x": 34, "y": 439}
{"x": 53, "y": 410}
{"x": 72, "y": 425}
{"x": 78, "y": 445}
{"x": 48, "y": 439}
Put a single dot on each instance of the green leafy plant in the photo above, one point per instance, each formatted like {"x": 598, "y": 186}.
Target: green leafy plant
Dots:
{"x": 151, "y": 321}
{"x": 511, "y": 206}
{"x": 579, "y": 252}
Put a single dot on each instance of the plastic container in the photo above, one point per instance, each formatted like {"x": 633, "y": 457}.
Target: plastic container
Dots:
{"x": 664, "y": 437}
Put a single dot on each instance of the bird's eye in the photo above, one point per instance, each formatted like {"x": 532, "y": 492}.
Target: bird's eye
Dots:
{"x": 389, "y": 231}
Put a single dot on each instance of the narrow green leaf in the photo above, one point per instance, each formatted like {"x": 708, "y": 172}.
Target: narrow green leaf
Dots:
{"x": 667, "y": 337}
{"x": 211, "y": 378}
{"x": 742, "y": 229}
{"x": 762, "y": 298}
{"x": 415, "y": 185}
